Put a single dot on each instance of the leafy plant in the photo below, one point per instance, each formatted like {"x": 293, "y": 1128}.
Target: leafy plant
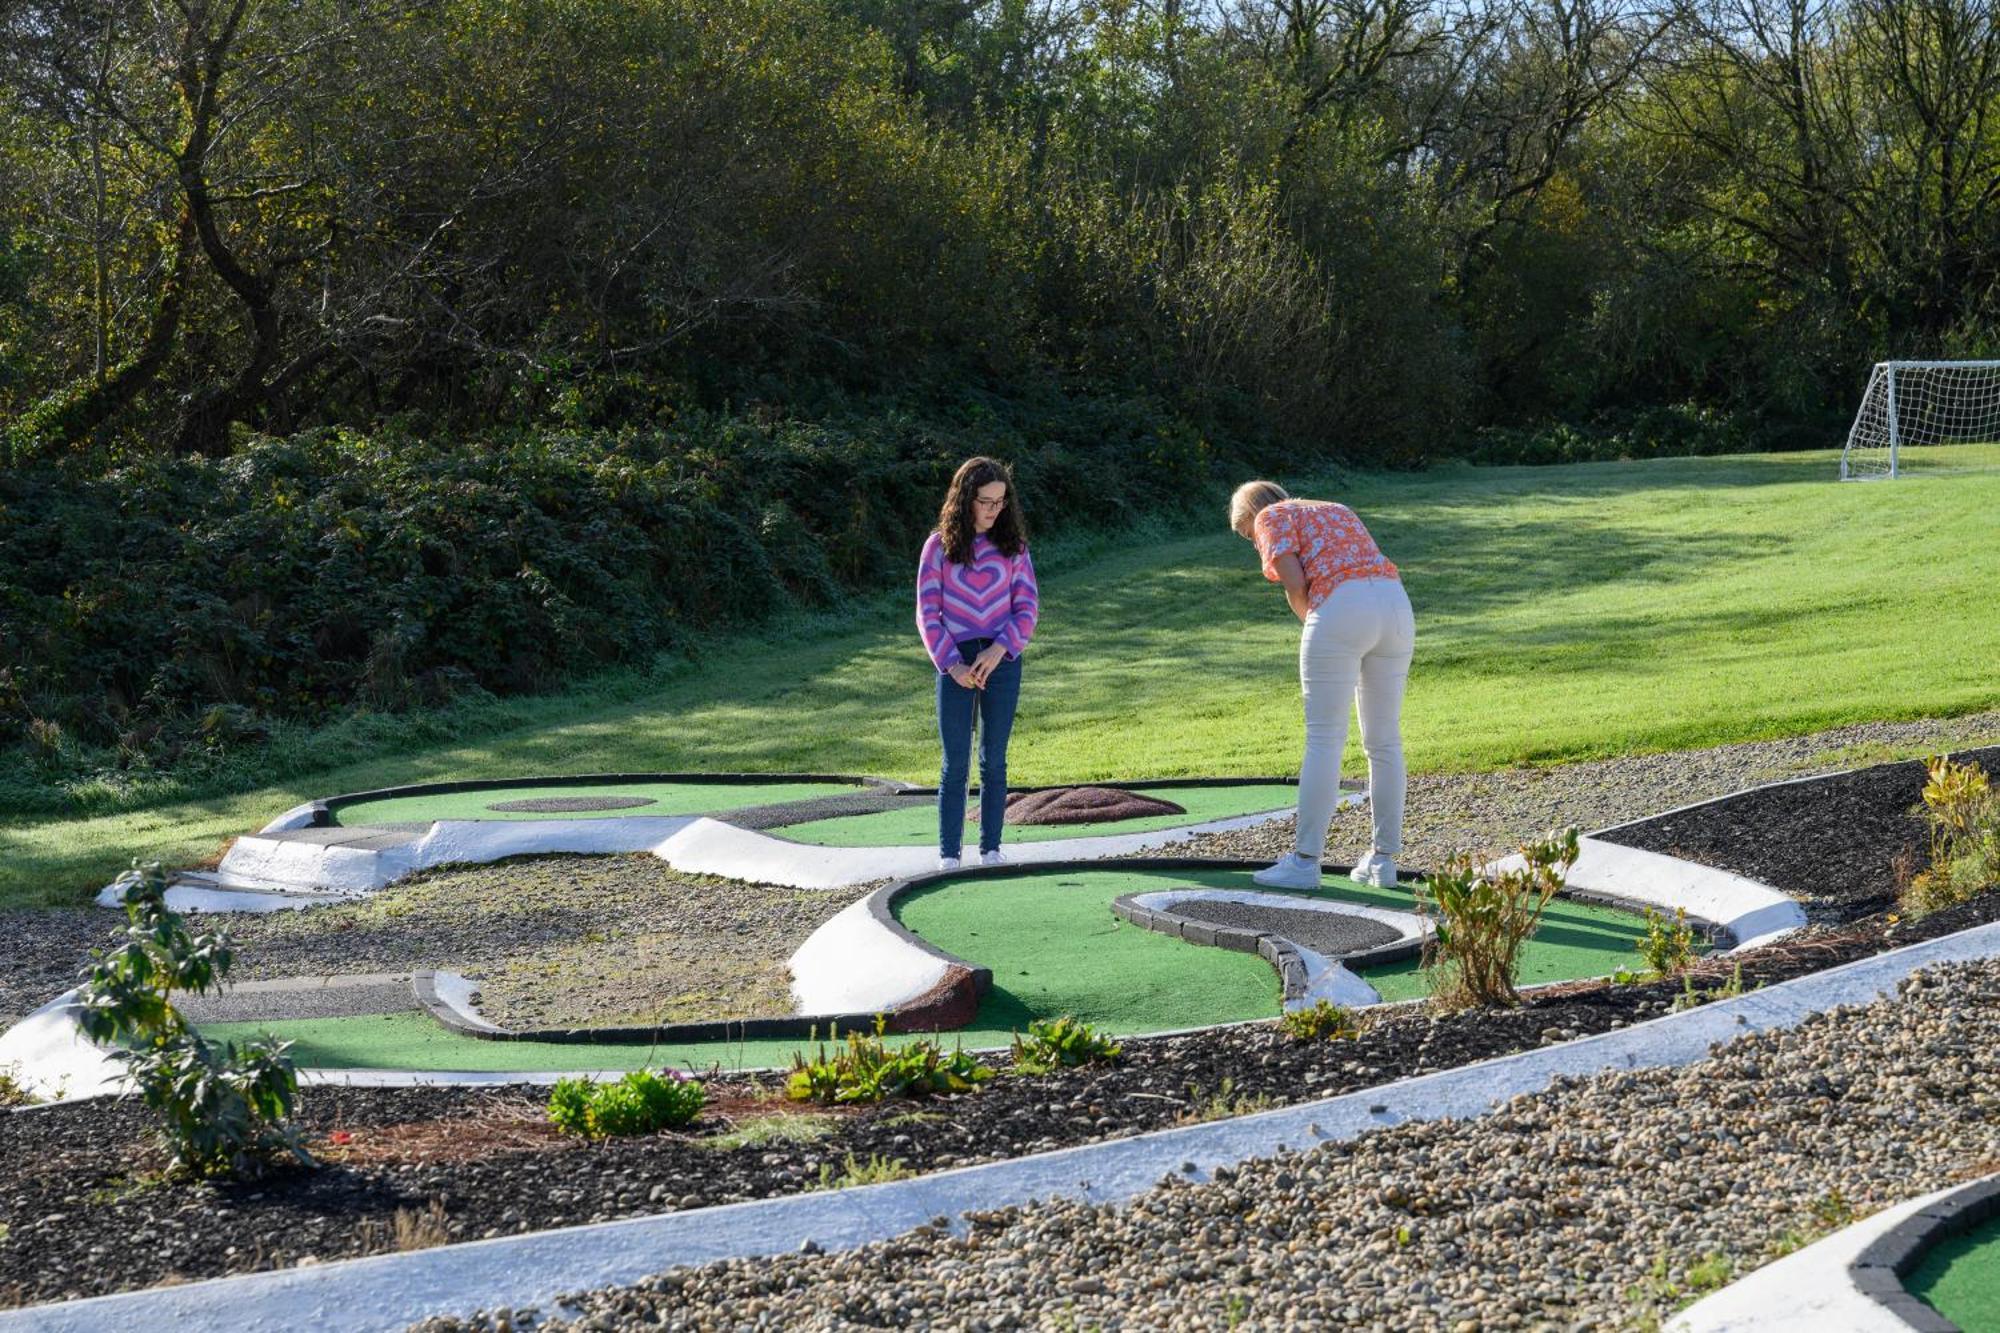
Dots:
{"x": 1224, "y": 1103}
{"x": 12, "y": 1093}
{"x": 1668, "y": 944}
{"x": 766, "y": 1130}
{"x": 1324, "y": 1021}
{"x": 1962, "y": 811}
{"x": 1690, "y": 996}
{"x": 865, "y": 1069}
{"x": 640, "y": 1103}
{"x": 1483, "y": 918}
{"x": 1061, "y": 1043}
{"x": 877, "y": 1170}
{"x": 224, "y": 1107}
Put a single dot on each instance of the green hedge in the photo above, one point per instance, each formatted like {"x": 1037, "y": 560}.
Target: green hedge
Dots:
{"x": 162, "y": 614}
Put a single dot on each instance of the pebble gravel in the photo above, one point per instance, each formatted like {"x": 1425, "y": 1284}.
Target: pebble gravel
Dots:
{"x": 1598, "y": 1203}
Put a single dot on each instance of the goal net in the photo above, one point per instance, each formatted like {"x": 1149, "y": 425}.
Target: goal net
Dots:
{"x": 1918, "y": 404}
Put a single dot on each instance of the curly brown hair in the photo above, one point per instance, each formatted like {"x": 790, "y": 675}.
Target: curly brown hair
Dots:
{"x": 1009, "y": 531}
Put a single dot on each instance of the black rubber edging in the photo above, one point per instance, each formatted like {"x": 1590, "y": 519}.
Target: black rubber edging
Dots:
{"x": 1879, "y": 1270}
{"x": 1281, "y": 953}
{"x": 324, "y": 807}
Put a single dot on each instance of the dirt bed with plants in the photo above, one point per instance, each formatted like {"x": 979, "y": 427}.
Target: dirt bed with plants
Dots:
{"x": 407, "y": 1167}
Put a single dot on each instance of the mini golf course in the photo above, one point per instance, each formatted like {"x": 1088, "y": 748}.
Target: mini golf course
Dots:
{"x": 572, "y": 800}
{"x": 1960, "y": 1278}
{"x": 915, "y": 824}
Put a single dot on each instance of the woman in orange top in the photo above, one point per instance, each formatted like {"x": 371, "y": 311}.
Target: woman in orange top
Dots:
{"x": 1355, "y": 648}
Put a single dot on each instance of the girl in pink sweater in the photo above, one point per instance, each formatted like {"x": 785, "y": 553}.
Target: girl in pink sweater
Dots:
{"x": 976, "y": 609}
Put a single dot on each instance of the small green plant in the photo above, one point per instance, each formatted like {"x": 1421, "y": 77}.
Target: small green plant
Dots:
{"x": 1482, "y": 919}
{"x": 1962, "y": 811}
{"x": 12, "y": 1091}
{"x": 1324, "y": 1021}
{"x": 877, "y": 1170}
{"x": 640, "y": 1103}
{"x": 1690, "y": 997}
{"x": 766, "y": 1130}
{"x": 223, "y": 1108}
{"x": 1667, "y": 948}
{"x": 865, "y": 1069}
{"x": 1658, "y": 1290}
{"x": 1222, "y": 1104}
{"x": 1061, "y": 1043}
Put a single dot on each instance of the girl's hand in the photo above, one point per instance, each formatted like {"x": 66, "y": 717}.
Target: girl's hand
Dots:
{"x": 962, "y": 674}
{"x": 982, "y": 665}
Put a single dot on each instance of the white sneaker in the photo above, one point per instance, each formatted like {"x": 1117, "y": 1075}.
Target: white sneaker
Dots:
{"x": 992, "y": 859}
{"x": 1292, "y": 871}
{"x": 947, "y": 863}
{"x": 1377, "y": 869}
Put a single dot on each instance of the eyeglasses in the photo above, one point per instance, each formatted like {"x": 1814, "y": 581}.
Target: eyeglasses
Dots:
{"x": 984, "y": 503}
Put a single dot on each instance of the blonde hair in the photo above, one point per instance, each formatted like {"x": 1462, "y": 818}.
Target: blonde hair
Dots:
{"x": 1250, "y": 498}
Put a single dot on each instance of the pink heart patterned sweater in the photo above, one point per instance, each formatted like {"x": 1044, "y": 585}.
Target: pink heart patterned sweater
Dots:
{"x": 993, "y": 596}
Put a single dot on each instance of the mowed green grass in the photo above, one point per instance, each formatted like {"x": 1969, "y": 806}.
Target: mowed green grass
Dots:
{"x": 1563, "y": 613}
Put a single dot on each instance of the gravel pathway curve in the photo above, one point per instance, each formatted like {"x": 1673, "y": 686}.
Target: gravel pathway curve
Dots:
{"x": 1598, "y": 1203}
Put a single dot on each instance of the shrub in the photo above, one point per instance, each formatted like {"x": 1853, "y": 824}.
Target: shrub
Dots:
{"x": 1668, "y": 944}
{"x": 1061, "y": 1043}
{"x": 1483, "y": 919}
{"x": 1324, "y": 1021}
{"x": 865, "y": 1069}
{"x": 640, "y": 1103}
{"x": 224, "y": 1107}
{"x": 1963, "y": 814}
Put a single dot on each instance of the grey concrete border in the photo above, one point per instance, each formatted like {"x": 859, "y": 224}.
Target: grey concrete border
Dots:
{"x": 1878, "y": 1271}
{"x": 391, "y": 1291}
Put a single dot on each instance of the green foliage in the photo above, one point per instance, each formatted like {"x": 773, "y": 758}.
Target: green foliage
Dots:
{"x": 223, "y": 1108}
{"x": 877, "y": 1170}
{"x": 1692, "y": 996}
{"x": 1962, "y": 811}
{"x": 1226, "y": 1102}
{"x": 767, "y": 1130}
{"x": 1061, "y": 1043}
{"x": 640, "y": 1103}
{"x": 1482, "y": 919}
{"x": 12, "y": 1093}
{"x": 1323, "y": 1021}
{"x": 864, "y": 1068}
{"x": 1668, "y": 946}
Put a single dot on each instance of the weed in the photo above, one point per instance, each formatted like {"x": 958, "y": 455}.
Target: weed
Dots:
{"x": 1832, "y": 1210}
{"x": 1061, "y": 1043}
{"x": 1483, "y": 919}
{"x": 1235, "y": 1310}
{"x": 766, "y": 1130}
{"x": 1963, "y": 812}
{"x": 12, "y": 1091}
{"x": 640, "y": 1103}
{"x": 910, "y": 1118}
{"x": 1658, "y": 1289}
{"x": 1668, "y": 944}
{"x": 877, "y": 1170}
{"x": 1325, "y": 1021}
{"x": 1224, "y": 1103}
{"x": 1690, "y": 997}
{"x": 865, "y": 1069}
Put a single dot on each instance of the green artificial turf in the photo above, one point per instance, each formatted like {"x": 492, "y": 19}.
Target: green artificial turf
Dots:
{"x": 1054, "y": 948}
{"x": 669, "y": 798}
{"x": 914, "y": 826}
{"x": 1960, "y": 1278}
{"x": 1563, "y": 613}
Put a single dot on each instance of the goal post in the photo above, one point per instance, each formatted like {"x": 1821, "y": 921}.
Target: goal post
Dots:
{"x": 1920, "y": 403}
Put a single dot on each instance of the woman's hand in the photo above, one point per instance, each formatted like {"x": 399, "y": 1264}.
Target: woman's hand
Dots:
{"x": 1293, "y": 575}
{"x": 982, "y": 665}
{"x": 961, "y": 675}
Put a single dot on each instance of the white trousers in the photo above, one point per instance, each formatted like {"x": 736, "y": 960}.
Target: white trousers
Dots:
{"x": 1355, "y": 649}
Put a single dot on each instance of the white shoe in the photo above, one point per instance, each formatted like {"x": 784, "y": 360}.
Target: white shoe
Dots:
{"x": 1292, "y": 871}
{"x": 1377, "y": 869}
{"x": 992, "y": 859}
{"x": 947, "y": 863}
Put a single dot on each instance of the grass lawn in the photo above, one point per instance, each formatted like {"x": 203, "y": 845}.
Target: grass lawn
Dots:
{"x": 1054, "y": 948}
{"x": 1563, "y": 613}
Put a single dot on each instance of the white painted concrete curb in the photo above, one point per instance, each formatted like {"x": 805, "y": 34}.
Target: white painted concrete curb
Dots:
{"x": 49, "y": 1056}
{"x": 391, "y": 1291}
{"x": 1754, "y": 914}
{"x": 1810, "y": 1291}
{"x": 853, "y": 964}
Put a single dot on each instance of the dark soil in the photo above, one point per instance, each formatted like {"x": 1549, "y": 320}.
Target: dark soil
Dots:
{"x": 79, "y": 1183}
{"x": 1840, "y": 844}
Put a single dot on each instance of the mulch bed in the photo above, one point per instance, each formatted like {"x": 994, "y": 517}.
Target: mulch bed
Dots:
{"x": 85, "y": 1212}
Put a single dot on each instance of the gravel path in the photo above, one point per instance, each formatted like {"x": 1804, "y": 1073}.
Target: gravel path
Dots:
{"x": 43, "y": 953}
{"x": 1492, "y": 812}
{"x": 1585, "y": 1206}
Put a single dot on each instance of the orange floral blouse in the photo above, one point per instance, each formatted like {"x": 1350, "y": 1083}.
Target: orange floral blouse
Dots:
{"x": 1329, "y": 540}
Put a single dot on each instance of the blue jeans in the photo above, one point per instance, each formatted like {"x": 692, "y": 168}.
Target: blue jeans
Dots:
{"x": 956, "y": 707}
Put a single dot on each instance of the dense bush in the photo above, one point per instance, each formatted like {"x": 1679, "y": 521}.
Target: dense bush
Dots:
{"x": 164, "y": 614}
{"x": 1962, "y": 813}
{"x": 864, "y": 1068}
{"x": 1483, "y": 917}
{"x": 642, "y": 1102}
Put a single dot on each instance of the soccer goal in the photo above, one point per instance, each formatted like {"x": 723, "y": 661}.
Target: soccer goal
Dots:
{"x": 1914, "y": 404}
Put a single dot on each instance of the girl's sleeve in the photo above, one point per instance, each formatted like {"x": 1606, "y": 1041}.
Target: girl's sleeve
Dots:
{"x": 1020, "y": 626}
{"x": 1274, "y": 537}
{"x": 930, "y": 606}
